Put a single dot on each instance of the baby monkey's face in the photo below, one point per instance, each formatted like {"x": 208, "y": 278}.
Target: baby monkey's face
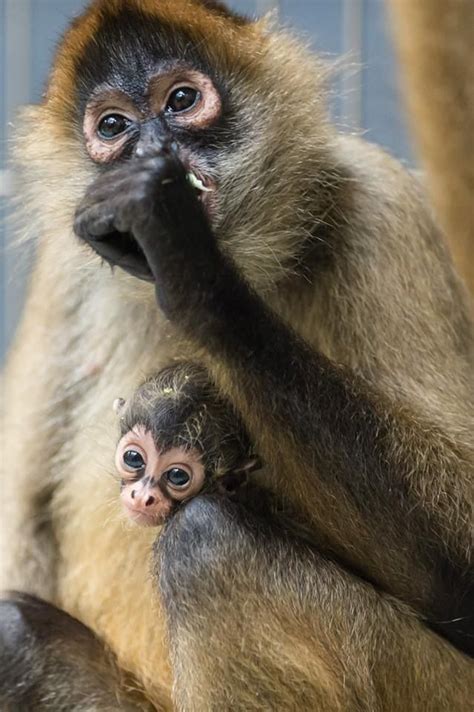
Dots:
{"x": 153, "y": 481}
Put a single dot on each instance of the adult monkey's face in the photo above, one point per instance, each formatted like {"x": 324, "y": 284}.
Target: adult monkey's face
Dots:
{"x": 133, "y": 77}
{"x": 147, "y": 81}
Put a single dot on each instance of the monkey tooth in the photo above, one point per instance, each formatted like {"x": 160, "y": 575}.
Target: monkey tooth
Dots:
{"x": 197, "y": 183}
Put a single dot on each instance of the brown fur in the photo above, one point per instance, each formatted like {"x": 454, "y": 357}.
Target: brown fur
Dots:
{"x": 228, "y": 45}
{"x": 436, "y": 40}
{"x": 88, "y": 335}
{"x": 316, "y": 647}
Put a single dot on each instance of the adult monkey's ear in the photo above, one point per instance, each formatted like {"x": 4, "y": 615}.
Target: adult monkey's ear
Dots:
{"x": 119, "y": 406}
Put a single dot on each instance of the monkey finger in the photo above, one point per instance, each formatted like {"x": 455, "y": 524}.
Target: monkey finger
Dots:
{"x": 117, "y": 181}
{"x": 94, "y": 221}
{"x": 107, "y": 188}
{"x": 121, "y": 250}
{"x": 146, "y": 173}
{"x": 121, "y": 205}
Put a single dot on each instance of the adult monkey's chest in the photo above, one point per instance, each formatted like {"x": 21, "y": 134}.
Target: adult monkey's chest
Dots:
{"x": 104, "y": 572}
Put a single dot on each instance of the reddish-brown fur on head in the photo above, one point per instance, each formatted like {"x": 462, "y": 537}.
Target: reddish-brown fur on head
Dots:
{"x": 198, "y": 19}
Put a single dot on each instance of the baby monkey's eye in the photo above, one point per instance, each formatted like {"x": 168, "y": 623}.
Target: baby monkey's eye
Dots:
{"x": 177, "y": 477}
{"x": 133, "y": 460}
{"x": 112, "y": 126}
{"x": 182, "y": 99}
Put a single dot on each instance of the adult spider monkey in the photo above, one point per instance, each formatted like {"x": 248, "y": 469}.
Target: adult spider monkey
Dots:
{"x": 311, "y": 281}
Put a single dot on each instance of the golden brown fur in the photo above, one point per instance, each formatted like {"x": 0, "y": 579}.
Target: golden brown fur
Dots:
{"x": 228, "y": 44}
{"x": 90, "y": 335}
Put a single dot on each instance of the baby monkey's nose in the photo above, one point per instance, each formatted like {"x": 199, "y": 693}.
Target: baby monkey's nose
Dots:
{"x": 146, "y": 505}
{"x": 147, "y": 501}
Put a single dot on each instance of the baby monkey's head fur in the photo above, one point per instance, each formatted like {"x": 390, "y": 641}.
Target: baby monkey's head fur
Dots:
{"x": 181, "y": 408}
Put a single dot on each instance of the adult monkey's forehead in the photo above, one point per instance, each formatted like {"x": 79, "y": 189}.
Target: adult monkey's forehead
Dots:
{"x": 131, "y": 37}
{"x": 130, "y": 49}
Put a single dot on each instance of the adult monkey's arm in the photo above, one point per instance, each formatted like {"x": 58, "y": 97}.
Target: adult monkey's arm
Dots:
{"x": 381, "y": 488}
{"x": 300, "y": 632}
{"x": 436, "y": 45}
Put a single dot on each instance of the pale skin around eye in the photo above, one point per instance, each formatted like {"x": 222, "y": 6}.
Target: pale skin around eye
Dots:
{"x": 153, "y": 482}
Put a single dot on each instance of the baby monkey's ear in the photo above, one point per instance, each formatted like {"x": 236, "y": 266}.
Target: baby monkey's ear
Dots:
{"x": 119, "y": 405}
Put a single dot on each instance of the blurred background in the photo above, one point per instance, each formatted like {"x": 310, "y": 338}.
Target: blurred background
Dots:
{"x": 366, "y": 96}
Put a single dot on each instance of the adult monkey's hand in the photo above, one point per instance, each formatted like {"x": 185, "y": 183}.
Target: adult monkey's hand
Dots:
{"x": 150, "y": 199}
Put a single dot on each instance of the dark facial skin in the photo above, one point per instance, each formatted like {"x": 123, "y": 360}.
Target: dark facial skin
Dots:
{"x": 275, "y": 600}
{"x": 148, "y": 105}
{"x": 148, "y": 135}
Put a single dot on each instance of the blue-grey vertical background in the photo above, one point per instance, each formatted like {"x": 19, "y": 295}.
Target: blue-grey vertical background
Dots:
{"x": 366, "y": 92}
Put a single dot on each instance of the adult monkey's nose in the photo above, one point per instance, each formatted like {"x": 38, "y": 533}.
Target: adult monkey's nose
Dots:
{"x": 154, "y": 138}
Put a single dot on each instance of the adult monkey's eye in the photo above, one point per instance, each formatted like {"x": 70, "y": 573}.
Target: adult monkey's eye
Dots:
{"x": 133, "y": 460}
{"x": 112, "y": 126}
{"x": 177, "y": 477}
{"x": 182, "y": 99}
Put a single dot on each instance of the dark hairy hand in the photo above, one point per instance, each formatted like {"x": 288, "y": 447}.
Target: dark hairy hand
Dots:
{"x": 145, "y": 217}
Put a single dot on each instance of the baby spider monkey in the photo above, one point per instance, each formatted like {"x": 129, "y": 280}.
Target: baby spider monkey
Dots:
{"x": 179, "y": 437}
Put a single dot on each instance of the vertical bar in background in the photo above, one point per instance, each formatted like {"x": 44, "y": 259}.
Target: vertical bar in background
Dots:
{"x": 351, "y": 85}
{"x": 3, "y": 182}
{"x": 16, "y": 71}
{"x": 16, "y": 77}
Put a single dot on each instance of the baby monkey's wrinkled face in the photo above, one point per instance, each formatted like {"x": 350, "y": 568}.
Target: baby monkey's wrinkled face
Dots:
{"x": 154, "y": 480}
{"x": 179, "y": 438}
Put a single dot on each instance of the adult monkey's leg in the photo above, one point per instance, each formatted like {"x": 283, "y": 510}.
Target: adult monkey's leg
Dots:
{"x": 50, "y": 662}
{"x": 259, "y": 622}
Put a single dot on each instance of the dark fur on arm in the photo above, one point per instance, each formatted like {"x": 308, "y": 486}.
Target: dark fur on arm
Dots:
{"x": 285, "y": 624}
{"x": 50, "y": 662}
{"x": 365, "y": 474}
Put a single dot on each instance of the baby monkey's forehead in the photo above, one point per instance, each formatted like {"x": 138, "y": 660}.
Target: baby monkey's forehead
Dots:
{"x": 168, "y": 419}
{"x": 181, "y": 407}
